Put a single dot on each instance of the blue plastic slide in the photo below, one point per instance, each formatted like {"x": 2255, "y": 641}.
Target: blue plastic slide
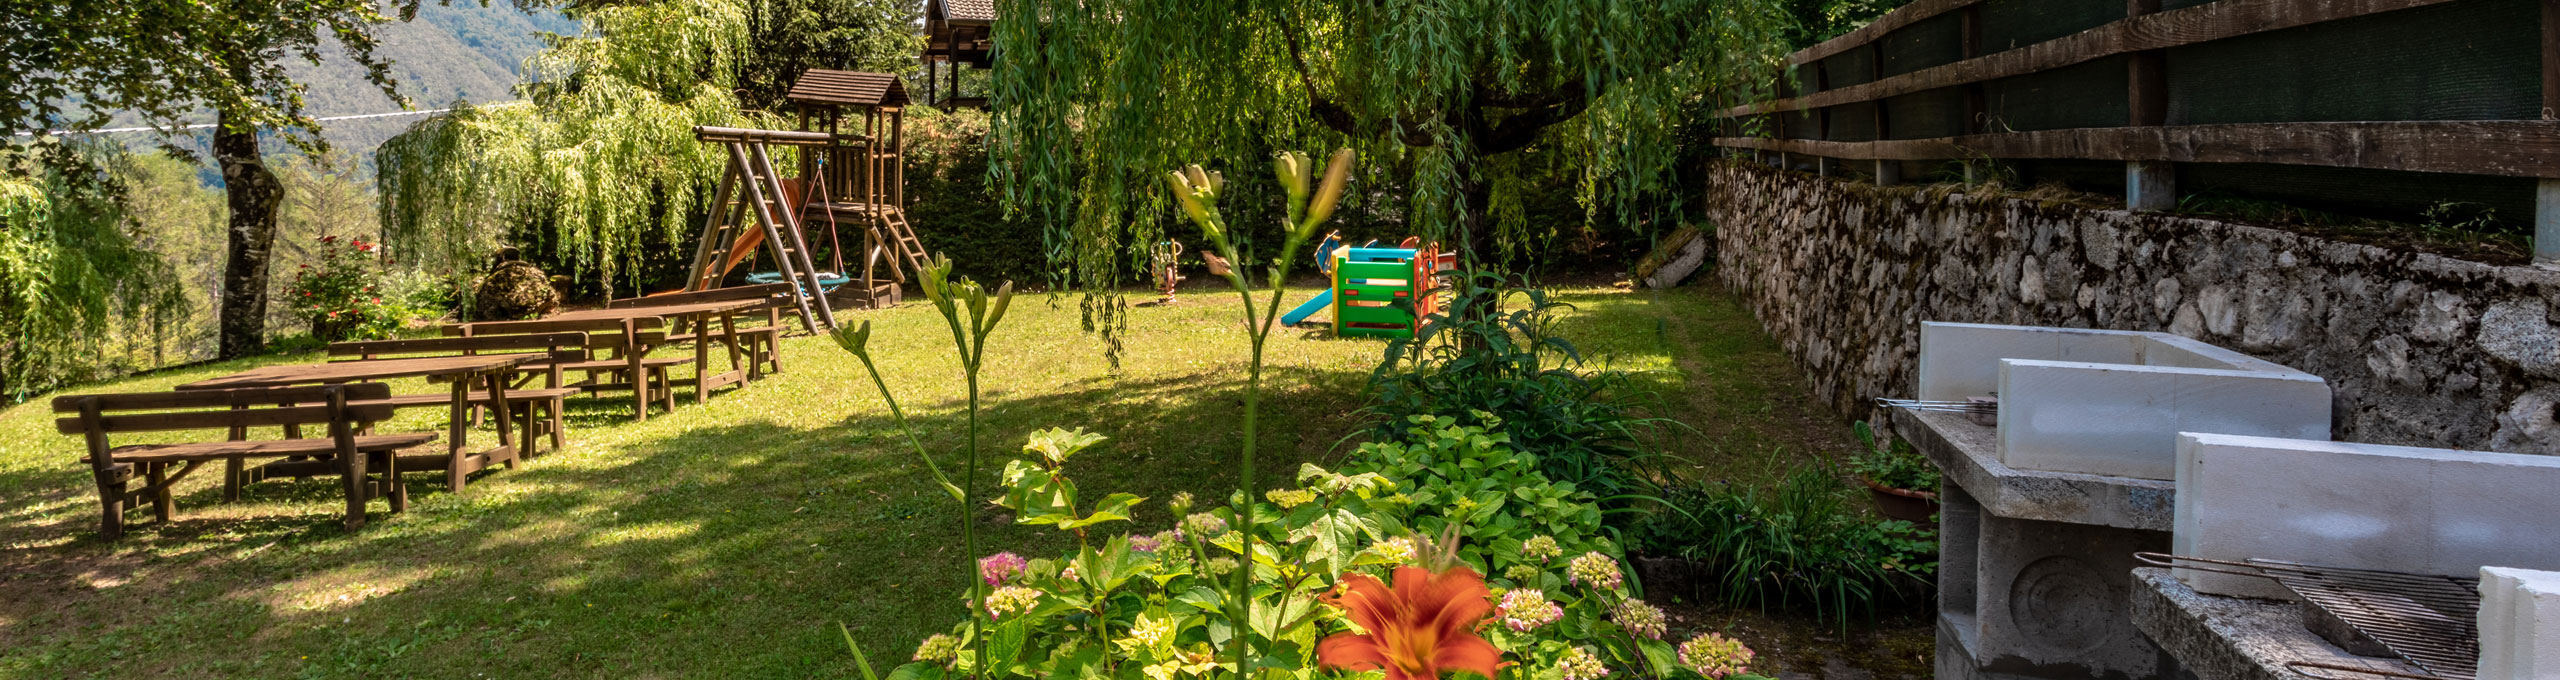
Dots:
{"x": 1321, "y": 301}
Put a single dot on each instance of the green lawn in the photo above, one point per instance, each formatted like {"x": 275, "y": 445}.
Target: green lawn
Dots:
{"x": 729, "y": 539}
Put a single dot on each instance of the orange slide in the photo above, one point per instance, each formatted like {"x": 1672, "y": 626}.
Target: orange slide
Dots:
{"x": 748, "y": 239}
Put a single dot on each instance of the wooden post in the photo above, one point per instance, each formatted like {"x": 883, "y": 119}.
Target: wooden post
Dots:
{"x": 2148, "y": 186}
{"x": 1976, "y": 108}
{"x": 1884, "y": 128}
{"x": 2546, "y": 204}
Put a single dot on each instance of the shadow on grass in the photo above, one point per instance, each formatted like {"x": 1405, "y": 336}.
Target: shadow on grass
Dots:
{"x": 725, "y": 549}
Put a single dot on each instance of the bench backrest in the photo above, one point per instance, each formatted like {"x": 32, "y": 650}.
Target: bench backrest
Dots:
{"x": 99, "y": 414}
{"x": 549, "y": 326}
{"x": 769, "y": 292}
{"x": 557, "y": 344}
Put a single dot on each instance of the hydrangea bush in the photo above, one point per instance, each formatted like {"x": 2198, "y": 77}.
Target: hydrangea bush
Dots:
{"x": 1146, "y": 603}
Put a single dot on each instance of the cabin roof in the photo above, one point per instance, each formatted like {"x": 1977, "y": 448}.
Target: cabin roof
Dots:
{"x": 848, "y": 88}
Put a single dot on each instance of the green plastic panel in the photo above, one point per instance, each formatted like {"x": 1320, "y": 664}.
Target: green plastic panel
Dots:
{"x": 1374, "y": 270}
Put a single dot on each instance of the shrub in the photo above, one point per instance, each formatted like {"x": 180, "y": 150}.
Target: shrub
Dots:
{"x": 515, "y": 289}
{"x": 343, "y": 297}
{"x": 1149, "y": 605}
{"x": 1895, "y": 465}
{"x": 1798, "y": 545}
{"x": 1491, "y": 358}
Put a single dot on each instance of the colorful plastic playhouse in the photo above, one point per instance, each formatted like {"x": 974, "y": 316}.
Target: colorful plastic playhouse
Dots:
{"x": 1376, "y": 292}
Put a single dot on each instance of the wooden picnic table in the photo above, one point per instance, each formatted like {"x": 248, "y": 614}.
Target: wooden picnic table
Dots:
{"x": 462, "y": 371}
{"x": 698, "y": 317}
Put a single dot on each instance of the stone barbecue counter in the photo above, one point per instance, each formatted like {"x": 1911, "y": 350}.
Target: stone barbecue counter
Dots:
{"x": 2235, "y": 638}
{"x": 1969, "y": 455}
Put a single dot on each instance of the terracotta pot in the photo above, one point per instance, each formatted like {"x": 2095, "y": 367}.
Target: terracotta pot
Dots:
{"x": 1920, "y": 507}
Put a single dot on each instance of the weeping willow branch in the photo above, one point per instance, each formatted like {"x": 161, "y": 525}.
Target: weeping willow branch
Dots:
{"x": 602, "y": 158}
{"x": 1092, "y": 95}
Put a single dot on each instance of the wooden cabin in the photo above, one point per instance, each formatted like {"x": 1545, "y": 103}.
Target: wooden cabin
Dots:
{"x": 958, "y": 34}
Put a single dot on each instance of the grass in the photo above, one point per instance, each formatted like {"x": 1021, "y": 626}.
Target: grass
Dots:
{"x": 729, "y": 539}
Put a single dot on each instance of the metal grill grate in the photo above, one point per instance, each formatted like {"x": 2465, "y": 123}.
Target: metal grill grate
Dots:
{"x": 2433, "y": 621}
{"x": 2430, "y": 621}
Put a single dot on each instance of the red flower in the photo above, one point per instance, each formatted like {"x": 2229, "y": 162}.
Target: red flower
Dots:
{"x": 1423, "y": 625}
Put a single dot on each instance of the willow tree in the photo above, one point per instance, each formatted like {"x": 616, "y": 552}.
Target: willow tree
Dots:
{"x": 1095, "y": 98}
{"x": 601, "y": 155}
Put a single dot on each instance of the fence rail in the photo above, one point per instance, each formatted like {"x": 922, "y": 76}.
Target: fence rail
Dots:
{"x": 2146, "y": 141}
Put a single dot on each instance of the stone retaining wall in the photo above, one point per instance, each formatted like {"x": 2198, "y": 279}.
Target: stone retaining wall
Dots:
{"x": 2419, "y": 349}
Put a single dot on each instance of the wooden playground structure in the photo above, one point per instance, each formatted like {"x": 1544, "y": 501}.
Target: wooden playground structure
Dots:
{"x": 851, "y": 173}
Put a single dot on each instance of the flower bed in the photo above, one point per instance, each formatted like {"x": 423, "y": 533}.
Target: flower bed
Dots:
{"x": 1378, "y": 566}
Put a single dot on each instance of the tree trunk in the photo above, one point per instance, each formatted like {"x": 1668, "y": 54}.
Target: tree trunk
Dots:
{"x": 254, "y": 194}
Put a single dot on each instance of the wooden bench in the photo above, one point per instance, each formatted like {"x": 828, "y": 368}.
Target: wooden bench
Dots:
{"x": 762, "y": 342}
{"x": 627, "y": 342}
{"x": 562, "y": 350}
{"x": 365, "y": 462}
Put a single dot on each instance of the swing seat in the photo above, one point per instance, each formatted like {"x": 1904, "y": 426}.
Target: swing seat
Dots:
{"x": 827, "y": 281}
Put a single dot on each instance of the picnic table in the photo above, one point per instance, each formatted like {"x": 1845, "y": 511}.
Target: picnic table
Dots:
{"x": 491, "y": 370}
{"x": 698, "y": 317}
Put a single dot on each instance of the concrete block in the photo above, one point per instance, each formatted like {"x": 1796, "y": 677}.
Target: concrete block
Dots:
{"x": 2370, "y": 506}
{"x": 2123, "y": 419}
{"x": 2050, "y": 600}
{"x": 1959, "y": 360}
{"x": 2519, "y": 624}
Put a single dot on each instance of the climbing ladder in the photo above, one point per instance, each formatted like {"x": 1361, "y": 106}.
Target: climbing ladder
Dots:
{"x": 752, "y": 190}
{"x": 902, "y": 238}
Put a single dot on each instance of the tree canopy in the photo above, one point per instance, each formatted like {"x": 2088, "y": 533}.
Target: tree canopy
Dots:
{"x": 602, "y": 157}
{"x": 76, "y": 65}
{"x": 1457, "y": 102}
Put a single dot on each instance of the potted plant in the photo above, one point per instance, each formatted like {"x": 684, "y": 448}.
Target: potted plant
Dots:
{"x": 1902, "y": 481}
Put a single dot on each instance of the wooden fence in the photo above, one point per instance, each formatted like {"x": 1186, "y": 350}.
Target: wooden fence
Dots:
{"x": 1893, "y": 95}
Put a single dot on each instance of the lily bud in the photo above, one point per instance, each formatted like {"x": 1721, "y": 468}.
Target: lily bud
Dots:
{"x": 1199, "y": 179}
{"x": 1004, "y": 298}
{"x": 1291, "y": 167}
{"x": 977, "y": 299}
{"x": 1337, "y": 174}
{"x": 856, "y": 339}
{"x": 933, "y": 277}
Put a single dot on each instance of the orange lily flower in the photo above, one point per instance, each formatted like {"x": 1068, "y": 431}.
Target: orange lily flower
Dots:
{"x": 1425, "y": 624}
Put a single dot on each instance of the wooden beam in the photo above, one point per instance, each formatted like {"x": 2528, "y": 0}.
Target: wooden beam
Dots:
{"x": 2148, "y": 185}
{"x": 1976, "y": 105}
{"x": 1892, "y": 21}
{"x": 2504, "y": 148}
{"x": 2175, "y": 28}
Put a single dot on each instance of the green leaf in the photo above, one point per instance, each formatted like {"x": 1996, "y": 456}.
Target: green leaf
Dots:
{"x": 916, "y": 671}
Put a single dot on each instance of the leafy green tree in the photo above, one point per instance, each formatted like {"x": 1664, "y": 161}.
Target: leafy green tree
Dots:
{"x": 76, "y": 64}
{"x": 1098, "y": 97}
{"x": 70, "y": 269}
{"x": 1815, "y": 21}
{"x": 786, "y": 37}
{"x": 602, "y": 161}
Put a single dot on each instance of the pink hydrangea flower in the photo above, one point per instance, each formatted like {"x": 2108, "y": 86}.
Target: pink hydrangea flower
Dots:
{"x": 996, "y": 568}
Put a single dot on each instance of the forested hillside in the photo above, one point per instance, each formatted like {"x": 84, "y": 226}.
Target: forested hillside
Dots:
{"x": 462, "y": 52}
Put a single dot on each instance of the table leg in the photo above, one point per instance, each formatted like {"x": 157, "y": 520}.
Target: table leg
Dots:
{"x": 351, "y": 465}
{"x": 639, "y": 378}
{"x": 701, "y": 360}
{"x": 455, "y": 433}
{"x": 729, "y": 338}
{"x": 499, "y": 411}
{"x": 392, "y": 486}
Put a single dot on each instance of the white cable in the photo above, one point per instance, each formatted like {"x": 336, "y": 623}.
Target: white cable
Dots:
{"x": 200, "y": 126}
